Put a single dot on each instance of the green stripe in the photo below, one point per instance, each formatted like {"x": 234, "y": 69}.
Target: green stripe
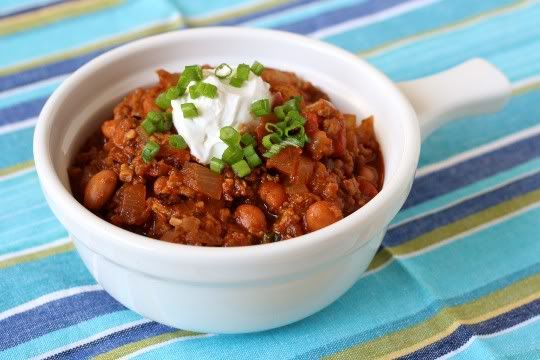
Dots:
{"x": 447, "y": 28}
{"x": 17, "y": 167}
{"x": 445, "y": 321}
{"x": 381, "y": 258}
{"x": 52, "y": 14}
{"x": 37, "y": 255}
{"x": 468, "y": 223}
{"x": 136, "y": 346}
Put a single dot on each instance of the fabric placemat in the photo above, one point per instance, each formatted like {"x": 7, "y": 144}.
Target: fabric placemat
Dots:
{"x": 459, "y": 273}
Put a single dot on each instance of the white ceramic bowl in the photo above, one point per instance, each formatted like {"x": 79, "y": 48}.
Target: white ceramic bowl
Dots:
{"x": 244, "y": 289}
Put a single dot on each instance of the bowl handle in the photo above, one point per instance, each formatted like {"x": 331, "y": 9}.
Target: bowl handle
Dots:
{"x": 472, "y": 88}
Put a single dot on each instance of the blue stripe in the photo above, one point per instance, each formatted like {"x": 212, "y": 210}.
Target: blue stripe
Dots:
{"x": 368, "y": 7}
{"x": 21, "y": 111}
{"x": 419, "y": 317}
{"x": 32, "y": 8}
{"x": 47, "y": 71}
{"x": 55, "y": 315}
{"x": 273, "y": 10}
{"x": 114, "y": 341}
{"x": 464, "y": 332}
{"x": 443, "y": 181}
{"x": 417, "y": 227}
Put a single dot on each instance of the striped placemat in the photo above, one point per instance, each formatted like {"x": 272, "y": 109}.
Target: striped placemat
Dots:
{"x": 459, "y": 273}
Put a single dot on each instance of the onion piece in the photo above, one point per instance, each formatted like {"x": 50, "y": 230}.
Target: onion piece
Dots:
{"x": 202, "y": 179}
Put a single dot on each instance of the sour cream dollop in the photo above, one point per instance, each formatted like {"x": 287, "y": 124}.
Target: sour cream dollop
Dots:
{"x": 231, "y": 107}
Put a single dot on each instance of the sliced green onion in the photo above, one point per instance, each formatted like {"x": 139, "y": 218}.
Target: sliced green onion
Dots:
{"x": 257, "y": 68}
{"x": 270, "y": 140}
{"x": 241, "y": 168}
{"x": 150, "y": 151}
{"x": 232, "y": 154}
{"x": 229, "y": 135}
{"x": 247, "y": 139}
{"x": 189, "y": 110}
{"x": 223, "y": 71}
{"x": 253, "y": 160}
{"x": 148, "y": 126}
{"x": 172, "y": 93}
{"x": 217, "y": 165}
{"x": 194, "y": 91}
{"x": 273, "y": 150}
{"x": 154, "y": 116}
{"x": 236, "y": 82}
{"x": 260, "y": 107}
{"x": 194, "y": 71}
{"x": 271, "y": 127}
{"x": 242, "y": 72}
{"x": 177, "y": 142}
{"x": 162, "y": 101}
{"x": 294, "y": 116}
{"x": 208, "y": 90}
{"x": 279, "y": 111}
{"x": 292, "y": 104}
{"x": 248, "y": 151}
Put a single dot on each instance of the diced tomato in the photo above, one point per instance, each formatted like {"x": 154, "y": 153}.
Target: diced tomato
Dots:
{"x": 312, "y": 123}
{"x": 286, "y": 161}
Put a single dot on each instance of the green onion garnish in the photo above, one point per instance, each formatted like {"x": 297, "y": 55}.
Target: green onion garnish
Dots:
{"x": 229, "y": 135}
{"x": 148, "y": 126}
{"x": 189, "y": 110}
{"x": 261, "y": 107}
{"x": 292, "y": 104}
{"x": 279, "y": 111}
{"x": 271, "y": 139}
{"x": 242, "y": 72}
{"x": 236, "y": 82}
{"x": 257, "y": 68}
{"x": 241, "y": 168}
{"x": 150, "y": 151}
{"x": 177, "y": 142}
{"x": 249, "y": 150}
{"x": 194, "y": 71}
{"x": 223, "y": 71}
{"x": 232, "y": 154}
{"x": 253, "y": 160}
{"x": 208, "y": 90}
{"x": 194, "y": 91}
{"x": 162, "y": 101}
{"x": 247, "y": 139}
{"x": 217, "y": 165}
{"x": 165, "y": 122}
{"x": 172, "y": 93}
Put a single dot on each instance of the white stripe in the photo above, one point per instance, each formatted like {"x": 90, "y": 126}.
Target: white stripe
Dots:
{"x": 32, "y": 86}
{"x": 470, "y": 231}
{"x": 57, "y": 295}
{"x": 520, "y": 84}
{"x": 93, "y": 338}
{"x": 18, "y": 125}
{"x": 479, "y": 150}
{"x": 487, "y": 336}
{"x": 463, "y": 199}
{"x": 34, "y": 249}
{"x": 158, "y": 345}
{"x": 370, "y": 19}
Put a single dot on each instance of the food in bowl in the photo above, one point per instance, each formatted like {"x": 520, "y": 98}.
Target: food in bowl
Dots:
{"x": 227, "y": 156}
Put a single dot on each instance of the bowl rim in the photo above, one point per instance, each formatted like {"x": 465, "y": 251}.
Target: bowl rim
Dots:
{"x": 71, "y": 208}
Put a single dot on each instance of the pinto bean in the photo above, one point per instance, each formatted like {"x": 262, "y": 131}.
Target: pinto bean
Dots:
{"x": 321, "y": 214}
{"x": 251, "y": 218}
{"x": 99, "y": 189}
{"x": 272, "y": 194}
{"x": 369, "y": 173}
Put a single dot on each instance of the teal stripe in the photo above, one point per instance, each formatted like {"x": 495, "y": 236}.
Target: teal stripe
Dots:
{"x": 485, "y": 39}
{"x": 521, "y": 113}
{"x": 82, "y": 30}
{"x": 39, "y": 91}
{"x": 70, "y": 335}
{"x": 16, "y": 147}
{"x": 30, "y": 280}
{"x": 520, "y": 343}
{"x": 302, "y": 12}
{"x": 419, "y": 20}
{"x": 208, "y": 8}
{"x": 467, "y": 191}
{"x": 397, "y": 291}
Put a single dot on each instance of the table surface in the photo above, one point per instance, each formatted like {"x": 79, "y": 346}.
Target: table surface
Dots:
{"x": 459, "y": 272}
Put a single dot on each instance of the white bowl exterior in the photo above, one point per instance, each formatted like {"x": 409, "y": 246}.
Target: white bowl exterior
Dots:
{"x": 323, "y": 264}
